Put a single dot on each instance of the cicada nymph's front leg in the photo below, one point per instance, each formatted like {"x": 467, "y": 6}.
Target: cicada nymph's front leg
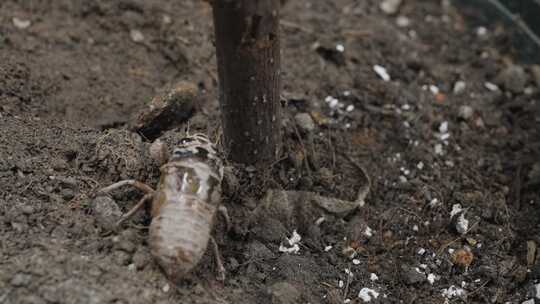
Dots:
{"x": 147, "y": 198}
{"x": 158, "y": 151}
{"x": 149, "y": 194}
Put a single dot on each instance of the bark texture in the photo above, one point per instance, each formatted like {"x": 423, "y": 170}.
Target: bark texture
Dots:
{"x": 248, "y": 55}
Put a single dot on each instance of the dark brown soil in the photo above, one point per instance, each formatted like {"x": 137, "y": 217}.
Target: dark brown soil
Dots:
{"x": 73, "y": 81}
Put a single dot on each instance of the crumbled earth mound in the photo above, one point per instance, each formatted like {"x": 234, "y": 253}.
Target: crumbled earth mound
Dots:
{"x": 440, "y": 115}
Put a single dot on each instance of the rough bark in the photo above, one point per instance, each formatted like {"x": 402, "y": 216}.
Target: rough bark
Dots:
{"x": 248, "y": 55}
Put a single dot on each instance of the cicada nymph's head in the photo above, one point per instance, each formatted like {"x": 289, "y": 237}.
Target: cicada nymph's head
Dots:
{"x": 197, "y": 146}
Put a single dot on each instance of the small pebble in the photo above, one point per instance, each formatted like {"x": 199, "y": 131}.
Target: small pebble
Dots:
{"x": 459, "y": 87}
{"x": 465, "y": 112}
{"x": 141, "y": 258}
{"x": 491, "y": 86}
{"x": 166, "y": 288}
{"x": 453, "y": 291}
{"x": 481, "y": 31}
{"x": 67, "y": 194}
{"x": 127, "y": 246}
{"x": 304, "y": 122}
{"x": 27, "y": 209}
{"x": 66, "y": 182}
{"x": 403, "y": 21}
{"x": 381, "y": 72}
{"x": 166, "y": 19}
{"x": 368, "y": 294}
{"x": 59, "y": 164}
{"x": 438, "y": 149}
{"x": 390, "y": 7}
{"x": 332, "y": 102}
{"x": 456, "y": 209}
{"x": 462, "y": 224}
{"x": 20, "y": 279}
{"x": 21, "y": 23}
{"x": 106, "y": 208}
{"x": 412, "y": 275}
{"x": 513, "y": 78}
{"x": 136, "y": 36}
{"x": 121, "y": 257}
{"x": 368, "y": 232}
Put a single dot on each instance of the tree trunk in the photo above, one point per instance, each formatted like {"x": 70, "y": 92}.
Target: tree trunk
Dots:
{"x": 248, "y": 56}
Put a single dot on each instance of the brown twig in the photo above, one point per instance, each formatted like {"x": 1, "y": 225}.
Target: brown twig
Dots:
{"x": 296, "y": 26}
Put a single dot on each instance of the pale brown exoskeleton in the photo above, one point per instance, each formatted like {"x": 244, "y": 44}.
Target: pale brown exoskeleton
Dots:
{"x": 184, "y": 204}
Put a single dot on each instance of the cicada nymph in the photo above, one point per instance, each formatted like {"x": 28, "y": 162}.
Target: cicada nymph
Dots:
{"x": 184, "y": 204}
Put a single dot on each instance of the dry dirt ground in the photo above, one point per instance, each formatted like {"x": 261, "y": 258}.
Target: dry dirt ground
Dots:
{"x": 455, "y": 126}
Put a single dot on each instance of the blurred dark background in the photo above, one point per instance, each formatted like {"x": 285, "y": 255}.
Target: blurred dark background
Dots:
{"x": 521, "y": 17}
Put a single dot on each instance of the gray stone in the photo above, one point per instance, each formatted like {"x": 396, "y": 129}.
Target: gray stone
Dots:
{"x": 141, "y": 258}
{"x": 259, "y": 251}
{"x": 465, "y": 112}
{"x": 412, "y": 275}
{"x": 68, "y": 182}
{"x": 27, "y": 209}
{"x": 390, "y": 7}
{"x": 67, "y": 194}
{"x": 121, "y": 258}
{"x": 127, "y": 246}
{"x": 59, "y": 164}
{"x": 269, "y": 229}
{"x": 305, "y": 122}
{"x": 106, "y": 210}
{"x": 136, "y": 35}
{"x": 513, "y": 78}
{"x": 21, "y": 279}
{"x": 129, "y": 234}
{"x": 21, "y": 23}
{"x": 459, "y": 87}
{"x": 284, "y": 293}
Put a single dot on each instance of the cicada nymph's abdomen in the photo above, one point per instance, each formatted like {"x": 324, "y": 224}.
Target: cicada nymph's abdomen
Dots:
{"x": 184, "y": 207}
